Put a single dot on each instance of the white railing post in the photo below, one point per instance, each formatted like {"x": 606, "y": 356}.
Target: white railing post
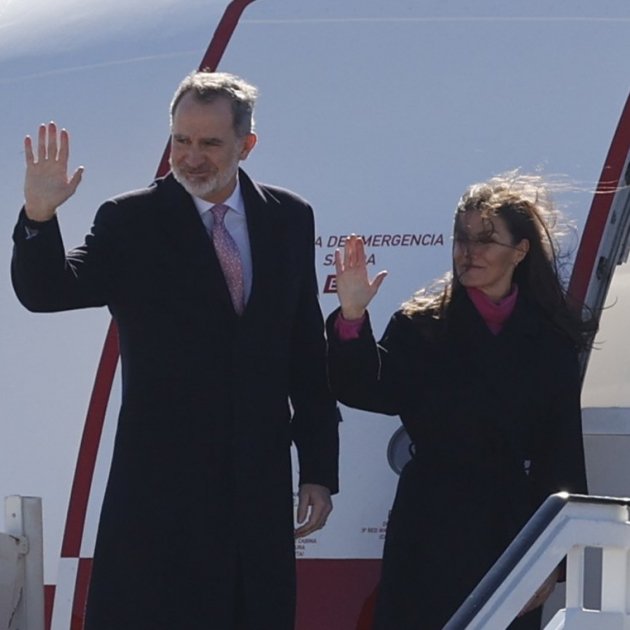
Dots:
{"x": 11, "y": 578}
{"x": 23, "y": 522}
{"x": 615, "y": 580}
{"x": 575, "y": 578}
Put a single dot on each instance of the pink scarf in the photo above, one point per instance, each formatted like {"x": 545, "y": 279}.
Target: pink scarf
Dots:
{"x": 495, "y": 315}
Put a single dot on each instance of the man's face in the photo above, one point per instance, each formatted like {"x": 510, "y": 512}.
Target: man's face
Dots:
{"x": 205, "y": 150}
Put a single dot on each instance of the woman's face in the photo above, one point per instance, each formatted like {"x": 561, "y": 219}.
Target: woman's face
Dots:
{"x": 484, "y": 256}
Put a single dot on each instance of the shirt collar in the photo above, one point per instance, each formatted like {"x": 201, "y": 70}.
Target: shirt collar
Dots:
{"x": 234, "y": 201}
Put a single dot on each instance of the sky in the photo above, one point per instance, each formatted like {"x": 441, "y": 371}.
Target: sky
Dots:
{"x": 380, "y": 113}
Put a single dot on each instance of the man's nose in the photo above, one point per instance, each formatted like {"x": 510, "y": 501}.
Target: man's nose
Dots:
{"x": 194, "y": 157}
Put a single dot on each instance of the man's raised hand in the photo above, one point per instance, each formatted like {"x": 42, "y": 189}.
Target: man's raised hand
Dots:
{"x": 46, "y": 185}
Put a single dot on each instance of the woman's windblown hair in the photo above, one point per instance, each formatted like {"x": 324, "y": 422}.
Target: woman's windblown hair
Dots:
{"x": 525, "y": 205}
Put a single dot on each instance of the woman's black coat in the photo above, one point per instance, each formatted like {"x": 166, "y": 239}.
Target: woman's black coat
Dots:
{"x": 496, "y": 424}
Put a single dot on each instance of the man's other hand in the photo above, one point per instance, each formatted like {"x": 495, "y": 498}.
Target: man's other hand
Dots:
{"x": 314, "y": 506}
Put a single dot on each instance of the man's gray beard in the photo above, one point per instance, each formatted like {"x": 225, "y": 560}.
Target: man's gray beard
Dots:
{"x": 197, "y": 190}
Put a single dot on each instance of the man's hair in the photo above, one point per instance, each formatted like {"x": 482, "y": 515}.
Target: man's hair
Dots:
{"x": 207, "y": 87}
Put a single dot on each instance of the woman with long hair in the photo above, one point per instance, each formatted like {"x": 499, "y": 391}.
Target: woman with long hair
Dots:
{"x": 483, "y": 372}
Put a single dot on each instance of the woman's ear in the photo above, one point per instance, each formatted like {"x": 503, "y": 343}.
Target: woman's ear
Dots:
{"x": 521, "y": 248}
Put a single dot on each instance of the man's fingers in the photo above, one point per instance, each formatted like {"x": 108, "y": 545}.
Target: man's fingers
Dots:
{"x": 317, "y": 520}
{"x": 302, "y": 513}
{"x": 313, "y": 502}
{"x": 303, "y": 530}
{"x": 64, "y": 145}
{"x": 47, "y": 184}
{"x": 47, "y": 144}
{"x": 28, "y": 150}
{"x": 41, "y": 143}
{"x": 319, "y": 514}
{"x": 306, "y": 529}
{"x": 300, "y": 532}
{"x": 302, "y": 510}
{"x": 75, "y": 180}
{"x": 52, "y": 141}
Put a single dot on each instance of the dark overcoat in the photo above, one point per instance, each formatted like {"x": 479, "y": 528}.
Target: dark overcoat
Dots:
{"x": 199, "y": 502}
{"x": 496, "y": 426}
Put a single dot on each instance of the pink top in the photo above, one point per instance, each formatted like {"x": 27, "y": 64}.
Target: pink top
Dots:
{"x": 494, "y": 314}
{"x": 348, "y": 329}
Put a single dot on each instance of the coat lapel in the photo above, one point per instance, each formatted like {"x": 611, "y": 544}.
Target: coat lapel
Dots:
{"x": 183, "y": 231}
{"x": 260, "y": 226}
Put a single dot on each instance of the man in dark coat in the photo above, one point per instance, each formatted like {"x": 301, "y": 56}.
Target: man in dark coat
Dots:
{"x": 196, "y": 528}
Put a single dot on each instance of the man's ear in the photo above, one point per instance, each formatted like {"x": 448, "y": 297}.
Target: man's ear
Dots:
{"x": 249, "y": 142}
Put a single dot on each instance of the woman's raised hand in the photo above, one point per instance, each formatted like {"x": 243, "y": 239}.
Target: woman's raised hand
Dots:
{"x": 354, "y": 289}
{"x": 47, "y": 185}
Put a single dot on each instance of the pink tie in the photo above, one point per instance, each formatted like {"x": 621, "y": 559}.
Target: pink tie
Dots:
{"x": 229, "y": 257}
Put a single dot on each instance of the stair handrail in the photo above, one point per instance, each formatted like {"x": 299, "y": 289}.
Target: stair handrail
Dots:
{"x": 563, "y": 526}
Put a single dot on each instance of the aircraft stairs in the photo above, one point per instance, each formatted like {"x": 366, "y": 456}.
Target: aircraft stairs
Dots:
{"x": 565, "y": 525}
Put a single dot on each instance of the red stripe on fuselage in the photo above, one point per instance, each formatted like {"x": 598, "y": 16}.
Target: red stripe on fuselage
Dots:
{"x": 597, "y": 219}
